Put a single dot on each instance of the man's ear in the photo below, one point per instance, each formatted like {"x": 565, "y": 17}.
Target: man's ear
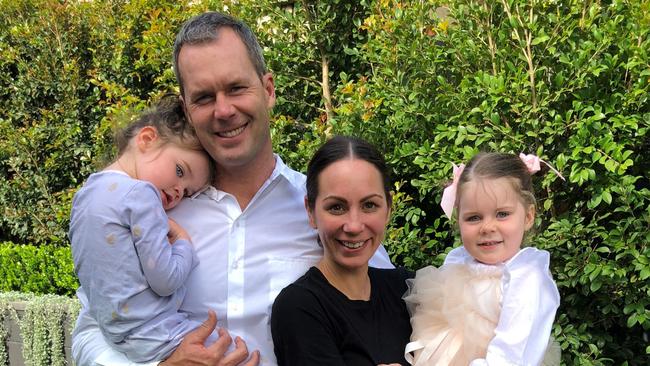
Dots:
{"x": 269, "y": 87}
{"x": 530, "y": 217}
{"x": 310, "y": 213}
{"x": 146, "y": 138}
{"x": 185, "y": 111}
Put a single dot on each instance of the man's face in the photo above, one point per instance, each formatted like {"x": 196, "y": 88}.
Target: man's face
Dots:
{"x": 226, "y": 101}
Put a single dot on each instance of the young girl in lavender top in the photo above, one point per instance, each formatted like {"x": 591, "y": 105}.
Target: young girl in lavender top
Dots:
{"x": 130, "y": 258}
{"x": 492, "y": 302}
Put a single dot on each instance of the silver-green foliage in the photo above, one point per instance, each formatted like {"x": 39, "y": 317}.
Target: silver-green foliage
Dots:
{"x": 42, "y": 326}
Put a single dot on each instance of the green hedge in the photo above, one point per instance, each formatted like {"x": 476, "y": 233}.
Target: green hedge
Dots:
{"x": 567, "y": 80}
{"x": 44, "y": 269}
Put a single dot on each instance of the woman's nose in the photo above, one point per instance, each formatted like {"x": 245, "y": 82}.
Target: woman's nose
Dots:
{"x": 354, "y": 223}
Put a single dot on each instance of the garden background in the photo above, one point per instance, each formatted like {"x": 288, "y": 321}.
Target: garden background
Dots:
{"x": 429, "y": 82}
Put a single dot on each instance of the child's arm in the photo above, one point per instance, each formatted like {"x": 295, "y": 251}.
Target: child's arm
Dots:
{"x": 530, "y": 299}
{"x": 176, "y": 232}
{"x": 165, "y": 266}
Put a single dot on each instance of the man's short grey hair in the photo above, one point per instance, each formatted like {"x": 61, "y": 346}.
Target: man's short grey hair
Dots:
{"x": 204, "y": 28}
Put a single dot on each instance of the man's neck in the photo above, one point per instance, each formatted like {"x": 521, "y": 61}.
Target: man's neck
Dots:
{"x": 245, "y": 181}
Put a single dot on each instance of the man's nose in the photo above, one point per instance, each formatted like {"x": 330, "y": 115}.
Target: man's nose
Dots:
{"x": 223, "y": 108}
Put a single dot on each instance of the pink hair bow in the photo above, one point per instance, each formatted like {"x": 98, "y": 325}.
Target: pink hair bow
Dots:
{"x": 449, "y": 194}
{"x": 532, "y": 162}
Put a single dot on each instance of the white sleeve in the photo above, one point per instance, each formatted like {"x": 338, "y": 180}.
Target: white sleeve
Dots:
{"x": 88, "y": 345}
{"x": 380, "y": 259}
{"x": 530, "y": 299}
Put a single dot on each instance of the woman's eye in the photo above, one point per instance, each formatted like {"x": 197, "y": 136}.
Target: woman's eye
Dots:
{"x": 336, "y": 209}
{"x": 179, "y": 171}
{"x": 369, "y": 205}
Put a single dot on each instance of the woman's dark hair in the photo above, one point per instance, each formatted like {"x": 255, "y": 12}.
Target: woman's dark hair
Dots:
{"x": 499, "y": 165}
{"x": 339, "y": 148}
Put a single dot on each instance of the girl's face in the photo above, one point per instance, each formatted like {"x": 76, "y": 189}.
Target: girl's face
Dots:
{"x": 177, "y": 172}
{"x": 493, "y": 219}
{"x": 350, "y": 213}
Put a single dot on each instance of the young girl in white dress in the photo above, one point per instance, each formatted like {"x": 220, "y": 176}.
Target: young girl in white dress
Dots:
{"x": 492, "y": 302}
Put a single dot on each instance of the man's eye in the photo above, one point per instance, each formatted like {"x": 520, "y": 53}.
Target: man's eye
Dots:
{"x": 236, "y": 89}
{"x": 179, "y": 171}
{"x": 203, "y": 99}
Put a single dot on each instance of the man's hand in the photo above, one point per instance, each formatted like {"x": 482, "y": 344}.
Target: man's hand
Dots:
{"x": 192, "y": 351}
{"x": 176, "y": 232}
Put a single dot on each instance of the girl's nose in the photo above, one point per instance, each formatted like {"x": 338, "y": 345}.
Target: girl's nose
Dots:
{"x": 488, "y": 226}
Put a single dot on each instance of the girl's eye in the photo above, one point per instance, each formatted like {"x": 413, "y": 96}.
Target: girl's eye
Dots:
{"x": 472, "y": 218}
{"x": 503, "y": 214}
{"x": 179, "y": 171}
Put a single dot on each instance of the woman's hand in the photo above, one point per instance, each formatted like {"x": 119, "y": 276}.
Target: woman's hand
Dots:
{"x": 192, "y": 350}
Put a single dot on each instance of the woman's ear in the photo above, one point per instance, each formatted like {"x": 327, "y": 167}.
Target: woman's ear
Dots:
{"x": 530, "y": 217}
{"x": 310, "y": 213}
{"x": 390, "y": 209}
{"x": 146, "y": 138}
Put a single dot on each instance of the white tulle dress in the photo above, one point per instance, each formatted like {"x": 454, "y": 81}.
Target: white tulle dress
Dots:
{"x": 469, "y": 313}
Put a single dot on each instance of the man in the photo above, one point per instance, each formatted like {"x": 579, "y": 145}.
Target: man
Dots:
{"x": 250, "y": 229}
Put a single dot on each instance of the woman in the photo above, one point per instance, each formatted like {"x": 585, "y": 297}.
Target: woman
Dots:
{"x": 343, "y": 312}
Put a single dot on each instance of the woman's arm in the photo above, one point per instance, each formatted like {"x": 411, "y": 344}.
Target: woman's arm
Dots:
{"x": 302, "y": 334}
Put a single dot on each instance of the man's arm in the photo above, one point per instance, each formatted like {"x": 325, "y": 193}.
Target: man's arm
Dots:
{"x": 90, "y": 348}
{"x": 88, "y": 343}
{"x": 192, "y": 350}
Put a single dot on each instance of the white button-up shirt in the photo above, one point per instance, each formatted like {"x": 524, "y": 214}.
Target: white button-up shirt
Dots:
{"x": 246, "y": 258}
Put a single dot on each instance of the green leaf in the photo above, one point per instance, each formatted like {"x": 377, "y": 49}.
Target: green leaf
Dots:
{"x": 540, "y": 39}
{"x": 607, "y": 197}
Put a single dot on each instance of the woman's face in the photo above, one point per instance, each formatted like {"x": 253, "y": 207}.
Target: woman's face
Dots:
{"x": 350, "y": 213}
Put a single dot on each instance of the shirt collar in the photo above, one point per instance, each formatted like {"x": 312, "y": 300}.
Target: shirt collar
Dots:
{"x": 281, "y": 171}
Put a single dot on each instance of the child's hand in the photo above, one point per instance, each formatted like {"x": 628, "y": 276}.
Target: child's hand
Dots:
{"x": 176, "y": 232}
